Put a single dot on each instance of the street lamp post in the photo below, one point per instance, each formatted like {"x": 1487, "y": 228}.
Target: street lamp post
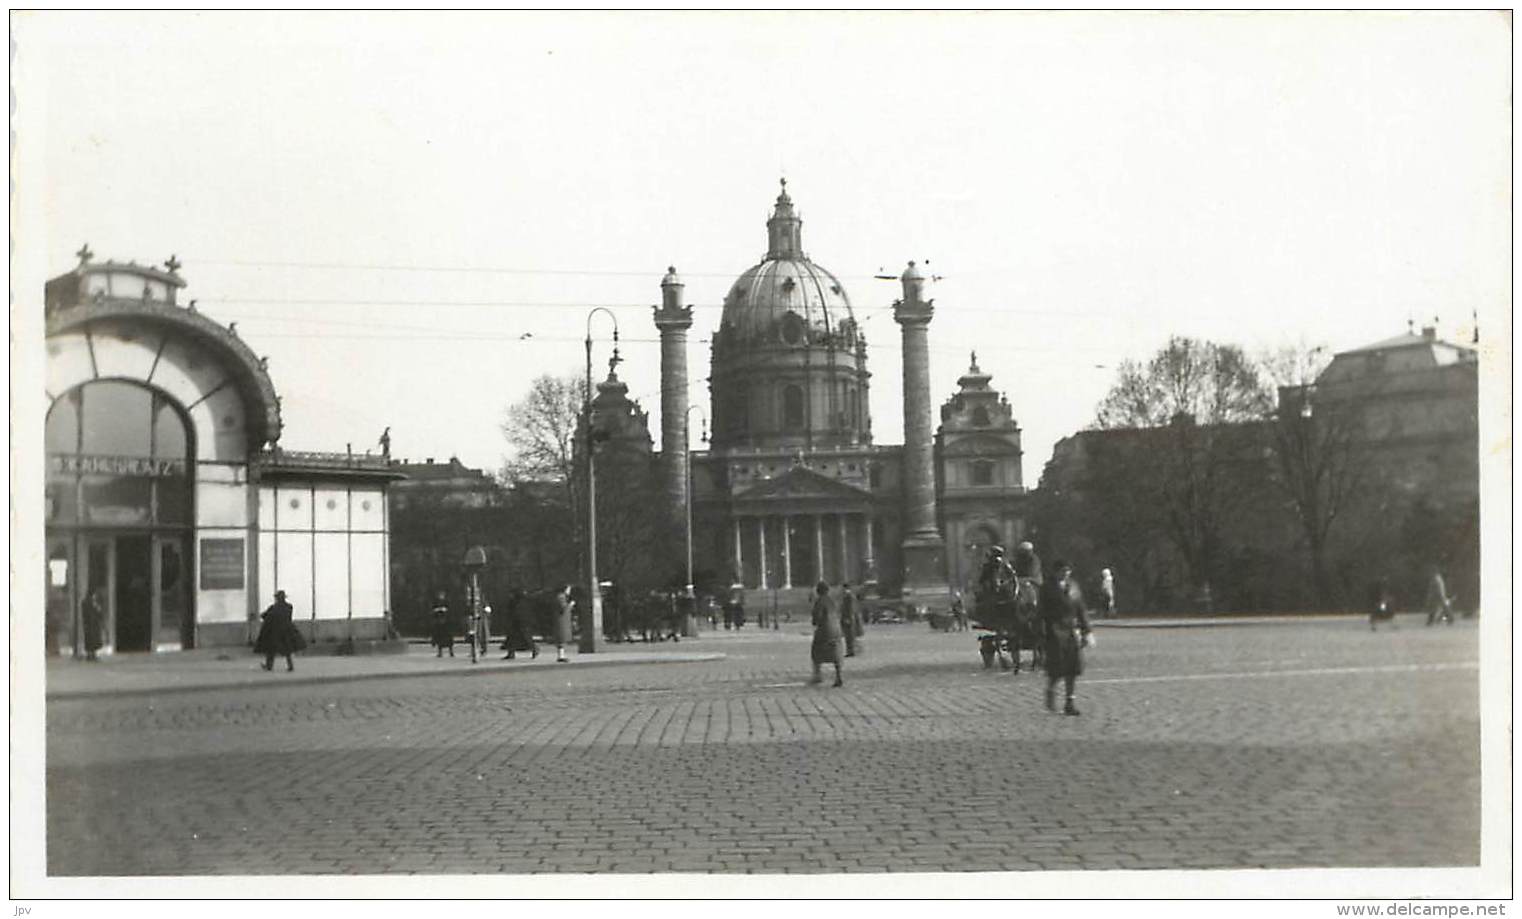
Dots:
{"x": 591, "y": 631}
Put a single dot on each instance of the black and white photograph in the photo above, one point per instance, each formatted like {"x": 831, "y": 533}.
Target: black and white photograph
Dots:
{"x": 762, "y": 455}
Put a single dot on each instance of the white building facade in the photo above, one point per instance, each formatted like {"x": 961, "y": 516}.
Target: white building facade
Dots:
{"x": 167, "y": 492}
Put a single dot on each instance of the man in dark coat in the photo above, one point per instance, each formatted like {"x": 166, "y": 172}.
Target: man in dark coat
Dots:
{"x": 278, "y": 634}
{"x": 1066, "y": 624}
{"x": 996, "y": 577}
{"x": 443, "y": 631}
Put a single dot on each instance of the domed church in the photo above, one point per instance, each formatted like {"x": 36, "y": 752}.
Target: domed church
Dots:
{"x": 792, "y": 489}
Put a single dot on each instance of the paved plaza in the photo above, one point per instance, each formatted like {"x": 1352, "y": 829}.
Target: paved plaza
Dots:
{"x": 1267, "y": 745}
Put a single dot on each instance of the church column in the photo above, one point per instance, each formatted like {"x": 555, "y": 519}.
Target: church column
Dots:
{"x": 845, "y": 558}
{"x": 868, "y": 554}
{"x": 761, "y": 541}
{"x": 819, "y": 547}
{"x": 787, "y": 552}
{"x": 924, "y": 563}
{"x": 739, "y": 576}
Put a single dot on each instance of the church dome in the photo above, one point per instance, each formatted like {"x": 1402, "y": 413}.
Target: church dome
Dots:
{"x": 789, "y": 365}
{"x": 786, "y": 283}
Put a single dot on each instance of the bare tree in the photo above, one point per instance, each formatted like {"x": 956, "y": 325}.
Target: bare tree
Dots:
{"x": 1201, "y": 401}
{"x": 541, "y": 431}
{"x": 1320, "y": 463}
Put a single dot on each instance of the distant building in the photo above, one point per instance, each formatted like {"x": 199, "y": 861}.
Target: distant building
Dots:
{"x": 167, "y": 490}
{"x": 449, "y": 484}
{"x": 792, "y": 489}
{"x": 1417, "y": 398}
{"x": 1410, "y": 407}
{"x": 441, "y": 510}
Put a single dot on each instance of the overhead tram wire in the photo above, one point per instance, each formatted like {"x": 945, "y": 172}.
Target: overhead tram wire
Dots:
{"x": 867, "y": 314}
{"x": 468, "y": 269}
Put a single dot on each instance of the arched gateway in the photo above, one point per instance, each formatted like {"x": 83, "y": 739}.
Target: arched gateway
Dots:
{"x": 166, "y": 491}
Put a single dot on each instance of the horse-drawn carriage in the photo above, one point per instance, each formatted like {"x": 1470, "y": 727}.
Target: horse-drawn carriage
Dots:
{"x": 1005, "y": 609}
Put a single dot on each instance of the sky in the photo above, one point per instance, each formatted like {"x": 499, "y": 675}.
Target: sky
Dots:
{"x": 412, "y": 215}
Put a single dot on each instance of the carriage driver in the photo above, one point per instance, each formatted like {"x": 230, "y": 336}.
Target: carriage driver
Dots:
{"x": 996, "y": 576}
{"x": 1027, "y": 563}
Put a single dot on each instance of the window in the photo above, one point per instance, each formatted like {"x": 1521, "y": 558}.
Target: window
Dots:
{"x": 982, "y": 472}
{"x": 980, "y": 417}
{"x": 107, "y": 442}
{"x": 117, "y": 418}
{"x": 792, "y": 407}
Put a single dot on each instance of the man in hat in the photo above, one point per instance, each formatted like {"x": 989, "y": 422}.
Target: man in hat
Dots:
{"x": 1067, "y": 631}
{"x": 278, "y": 636}
{"x": 443, "y": 630}
{"x": 996, "y": 576}
{"x": 1027, "y": 563}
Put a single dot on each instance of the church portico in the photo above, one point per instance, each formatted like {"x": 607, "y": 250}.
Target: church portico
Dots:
{"x": 798, "y": 548}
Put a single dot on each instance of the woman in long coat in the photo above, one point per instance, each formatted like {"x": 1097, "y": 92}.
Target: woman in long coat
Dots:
{"x": 827, "y": 634}
{"x": 1066, "y": 625}
{"x": 278, "y": 634}
{"x": 520, "y": 635}
{"x": 563, "y": 623}
{"x": 850, "y": 620}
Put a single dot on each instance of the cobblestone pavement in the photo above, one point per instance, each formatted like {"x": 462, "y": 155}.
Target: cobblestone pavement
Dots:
{"x": 1275, "y": 746}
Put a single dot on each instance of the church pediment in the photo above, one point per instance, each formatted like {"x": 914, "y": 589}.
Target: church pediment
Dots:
{"x": 800, "y": 482}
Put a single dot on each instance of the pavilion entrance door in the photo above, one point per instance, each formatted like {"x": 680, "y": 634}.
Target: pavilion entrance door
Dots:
{"x": 134, "y": 593}
{"x": 144, "y": 582}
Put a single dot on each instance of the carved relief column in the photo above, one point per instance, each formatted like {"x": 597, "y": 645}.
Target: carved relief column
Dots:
{"x": 924, "y": 551}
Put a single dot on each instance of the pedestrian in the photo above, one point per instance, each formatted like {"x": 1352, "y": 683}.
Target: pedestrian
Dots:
{"x": 563, "y": 624}
{"x": 827, "y": 634}
{"x": 1067, "y": 632}
{"x": 93, "y": 614}
{"x": 1106, "y": 593}
{"x": 958, "y": 611}
{"x": 278, "y": 634}
{"x": 734, "y": 608}
{"x": 850, "y": 620}
{"x": 442, "y": 635}
{"x": 1380, "y": 607}
{"x": 1439, "y": 602}
{"x": 1027, "y": 563}
{"x": 519, "y": 636}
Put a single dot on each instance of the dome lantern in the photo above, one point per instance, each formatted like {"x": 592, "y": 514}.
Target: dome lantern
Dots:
{"x": 784, "y": 230}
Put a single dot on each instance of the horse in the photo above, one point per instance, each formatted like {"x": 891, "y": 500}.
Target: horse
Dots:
{"x": 1008, "y": 608}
